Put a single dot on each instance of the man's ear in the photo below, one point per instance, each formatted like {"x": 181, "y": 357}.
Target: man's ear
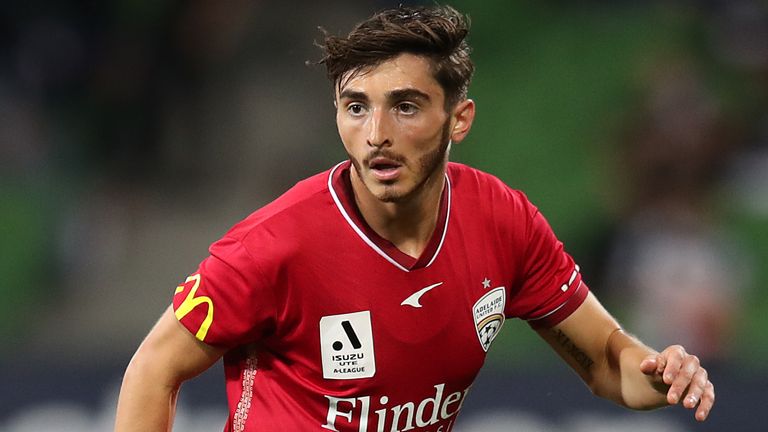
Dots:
{"x": 462, "y": 117}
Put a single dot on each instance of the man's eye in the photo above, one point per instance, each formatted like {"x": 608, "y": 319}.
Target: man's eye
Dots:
{"x": 407, "y": 108}
{"x": 355, "y": 109}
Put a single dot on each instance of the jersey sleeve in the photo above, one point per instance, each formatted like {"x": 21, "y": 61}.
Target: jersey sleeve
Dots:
{"x": 549, "y": 287}
{"x": 226, "y": 302}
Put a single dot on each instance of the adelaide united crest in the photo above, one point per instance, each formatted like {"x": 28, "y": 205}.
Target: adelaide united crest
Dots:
{"x": 488, "y": 313}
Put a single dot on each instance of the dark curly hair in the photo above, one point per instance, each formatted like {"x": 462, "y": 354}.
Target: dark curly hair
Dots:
{"x": 435, "y": 32}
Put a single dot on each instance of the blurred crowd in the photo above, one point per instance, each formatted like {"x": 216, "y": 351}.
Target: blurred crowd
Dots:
{"x": 691, "y": 157}
{"x": 133, "y": 133}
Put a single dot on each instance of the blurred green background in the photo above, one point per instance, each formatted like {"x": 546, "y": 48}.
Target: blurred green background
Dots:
{"x": 555, "y": 85}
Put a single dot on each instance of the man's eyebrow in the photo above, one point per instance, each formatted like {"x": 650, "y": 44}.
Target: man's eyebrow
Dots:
{"x": 408, "y": 93}
{"x": 354, "y": 95}
{"x": 393, "y": 95}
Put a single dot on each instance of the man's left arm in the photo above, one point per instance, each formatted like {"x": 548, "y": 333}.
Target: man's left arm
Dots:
{"x": 618, "y": 367}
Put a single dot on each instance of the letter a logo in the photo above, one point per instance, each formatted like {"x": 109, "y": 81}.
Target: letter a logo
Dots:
{"x": 346, "y": 346}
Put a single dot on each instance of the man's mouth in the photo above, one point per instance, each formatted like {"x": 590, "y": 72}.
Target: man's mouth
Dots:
{"x": 384, "y": 169}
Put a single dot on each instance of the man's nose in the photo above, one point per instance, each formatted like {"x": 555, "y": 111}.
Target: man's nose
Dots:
{"x": 378, "y": 129}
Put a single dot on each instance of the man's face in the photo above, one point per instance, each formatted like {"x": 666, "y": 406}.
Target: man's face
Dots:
{"x": 393, "y": 123}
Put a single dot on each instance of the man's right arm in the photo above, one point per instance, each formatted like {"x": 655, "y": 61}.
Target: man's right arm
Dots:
{"x": 167, "y": 357}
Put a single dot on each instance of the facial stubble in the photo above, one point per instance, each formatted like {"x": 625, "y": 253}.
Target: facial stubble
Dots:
{"x": 430, "y": 165}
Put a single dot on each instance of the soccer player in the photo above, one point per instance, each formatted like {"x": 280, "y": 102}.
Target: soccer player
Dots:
{"x": 366, "y": 297}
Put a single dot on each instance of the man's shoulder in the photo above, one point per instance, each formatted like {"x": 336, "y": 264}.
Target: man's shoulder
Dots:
{"x": 460, "y": 173}
{"x": 469, "y": 180}
{"x": 306, "y": 200}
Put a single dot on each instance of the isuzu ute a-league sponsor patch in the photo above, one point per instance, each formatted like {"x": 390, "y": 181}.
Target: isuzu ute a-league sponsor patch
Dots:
{"x": 346, "y": 344}
{"x": 489, "y": 316}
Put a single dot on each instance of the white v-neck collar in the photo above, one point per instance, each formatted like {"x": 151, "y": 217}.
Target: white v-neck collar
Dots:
{"x": 362, "y": 234}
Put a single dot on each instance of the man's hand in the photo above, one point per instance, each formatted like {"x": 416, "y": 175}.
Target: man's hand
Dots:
{"x": 685, "y": 378}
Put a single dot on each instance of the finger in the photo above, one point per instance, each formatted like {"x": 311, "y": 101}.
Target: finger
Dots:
{"x": 661, "y": 364}
{"x": 707, "y": 401}
{"x": 673, "y": 357}
{"x": 683, "y": 378}
{"x": 696, "y": 388}
{"x": 649, "y": 365}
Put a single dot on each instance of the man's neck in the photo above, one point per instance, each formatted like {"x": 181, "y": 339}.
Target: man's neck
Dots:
{"x": 407, "y": 223}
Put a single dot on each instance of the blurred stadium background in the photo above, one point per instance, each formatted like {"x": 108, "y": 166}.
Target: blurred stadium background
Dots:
{"x": 134, "y": 133}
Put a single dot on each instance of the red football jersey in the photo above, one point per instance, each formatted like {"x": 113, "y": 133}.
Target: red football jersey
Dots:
{"x": 333, "y": 328}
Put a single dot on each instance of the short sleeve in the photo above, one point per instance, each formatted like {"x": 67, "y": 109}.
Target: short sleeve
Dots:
{"x": 549, "y": 287}
{"x": 226, "y": 302}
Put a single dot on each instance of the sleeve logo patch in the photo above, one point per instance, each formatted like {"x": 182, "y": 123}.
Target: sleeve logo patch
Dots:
{"x": 191, "y": 302}
{"x": 488, "y": 313}
{"x": 346, "y": 346}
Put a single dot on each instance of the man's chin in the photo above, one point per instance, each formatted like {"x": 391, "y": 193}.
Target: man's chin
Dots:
{"x": 391, "y": 199}
{"x": 389, "y": 194}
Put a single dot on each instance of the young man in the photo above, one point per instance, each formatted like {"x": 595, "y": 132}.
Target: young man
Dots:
{"x": 366, "y": 297}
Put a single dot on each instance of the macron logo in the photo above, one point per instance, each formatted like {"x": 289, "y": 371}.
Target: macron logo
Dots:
{"x": 413, "y": 299}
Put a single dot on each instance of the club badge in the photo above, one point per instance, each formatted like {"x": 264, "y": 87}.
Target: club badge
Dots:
{"x": 488, "y": 313}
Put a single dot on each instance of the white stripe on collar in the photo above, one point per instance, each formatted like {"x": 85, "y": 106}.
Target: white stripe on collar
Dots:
{"x": 370, "y": 242}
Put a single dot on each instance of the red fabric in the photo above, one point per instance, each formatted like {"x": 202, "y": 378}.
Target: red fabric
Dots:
{"x": 296, "y": 283}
